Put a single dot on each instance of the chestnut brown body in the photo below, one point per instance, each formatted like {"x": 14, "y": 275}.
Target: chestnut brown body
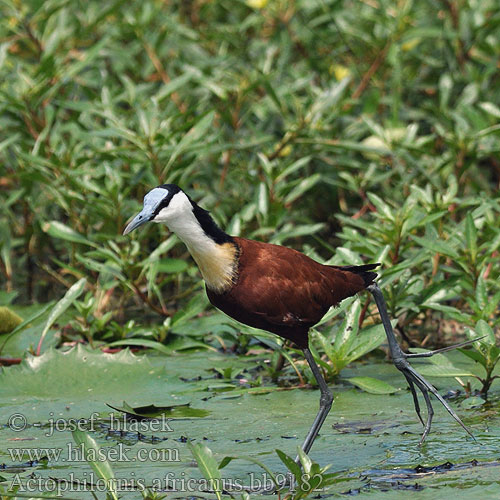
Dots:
{"x": 283, "y": 291}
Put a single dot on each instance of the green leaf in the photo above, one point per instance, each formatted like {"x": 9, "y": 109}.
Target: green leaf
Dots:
{"x": 304, "y": 460}
{"x": 9, "y": 320}
{"x": 20, "y": 343}
{"x": 483, "y": 329}
{"x": 303, "y": 186}
{"x": 175, "y": 84}
{"x": 367, "y": 340}
{"x": 440, "y": 365}
{"x": 475, "y": 355}
{"x": 439, "y": 246}
{"x": 195, "y": 306}
{"x": 151, "y": 344}
{"x": 195, "y": 134}
{"x": 183, "y": 343}
{"x": 333, "y": 312}
{"x": 208, "y": 466}
{"x": 348, "y": 331}
{"x": 472, "y": 402}
{"x": 262, "y": 199}
{"x": 297, "y": 165}
{"x": 153, "y": 411}
{"x": 102, "y": 268}
{"x": 6, "y": 298}
{"x": 372, "y": 385}
{"x": 325, "y": 344}
{"x": 10, "y": 140}
{"x": 445, "y": 370}
{"x": 349, "y": 256}
{"x": 290, "y": 464}
{"x": 95, "y": 457}
{"x": 40, "y": 312}
{"x": 70, "y": 296}
{"x": 492, "y": 304}
{"x": 171, "y": 266}
{"x": 226, "y": 460}
{"x": 471, "y": 236}
{"x": 482, "y": 298}
{"x": 382, "y": 207}
{"x": 450, "y": 311}
{"x": 490, "y": 108}
{"x": 59, "y": 230}
{"x": 82, "y": 373}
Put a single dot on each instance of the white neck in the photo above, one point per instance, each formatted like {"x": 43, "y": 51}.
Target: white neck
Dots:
{"x": 217, "y": 263}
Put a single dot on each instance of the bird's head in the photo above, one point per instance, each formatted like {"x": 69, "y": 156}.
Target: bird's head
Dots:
{"x": 165, "y": 203}
{"x": 170, "y": 205}
{"x": 213, "y": 249}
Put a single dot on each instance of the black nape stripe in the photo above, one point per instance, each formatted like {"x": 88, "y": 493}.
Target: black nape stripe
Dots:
{"x": 211, "y": 229}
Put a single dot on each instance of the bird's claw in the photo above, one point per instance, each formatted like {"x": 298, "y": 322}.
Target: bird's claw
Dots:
{"x": 415, "y": 379}
{"x": 400, "y": 360}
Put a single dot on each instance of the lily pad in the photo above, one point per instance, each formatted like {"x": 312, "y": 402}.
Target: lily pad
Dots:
{"x": 361, "y": 432}
{"x": 82, "y": 373}
{"x": 153, "y": 411}
{"x": 372, "y": 385}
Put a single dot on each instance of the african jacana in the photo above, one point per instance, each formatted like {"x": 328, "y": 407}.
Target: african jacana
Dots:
{"x": 276, "y": 289}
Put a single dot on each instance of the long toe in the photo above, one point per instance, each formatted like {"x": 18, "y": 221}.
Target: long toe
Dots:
{"x": 425, "y": 387}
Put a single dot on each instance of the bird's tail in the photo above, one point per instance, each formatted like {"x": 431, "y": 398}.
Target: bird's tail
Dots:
{"x": 364, "y": 271}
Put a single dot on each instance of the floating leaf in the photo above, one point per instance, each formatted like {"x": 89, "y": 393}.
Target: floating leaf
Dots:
{"x": 472, "y": 402}
{"x": 153, "y": 411}
{"x": 372, "y": 385}
{"x": 82, "y": 373}
{"x": 447, "y": 370}
{"x": 151, "y": 344}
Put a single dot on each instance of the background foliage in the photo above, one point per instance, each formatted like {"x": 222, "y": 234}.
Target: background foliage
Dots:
{"x": 341, "y": 128}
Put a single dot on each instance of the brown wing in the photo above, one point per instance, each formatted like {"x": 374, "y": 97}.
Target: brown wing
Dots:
{"x": 283, "y": 291}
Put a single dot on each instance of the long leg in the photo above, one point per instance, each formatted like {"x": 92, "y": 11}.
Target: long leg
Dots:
{"x": 399, "y": 358}
{"x": 325, "y": 402}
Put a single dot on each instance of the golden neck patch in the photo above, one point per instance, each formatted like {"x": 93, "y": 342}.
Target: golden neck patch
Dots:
{"x": 218, "y": 265}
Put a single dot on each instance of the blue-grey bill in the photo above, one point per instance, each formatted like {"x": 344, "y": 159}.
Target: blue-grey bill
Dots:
{"x": 137, "y": 221}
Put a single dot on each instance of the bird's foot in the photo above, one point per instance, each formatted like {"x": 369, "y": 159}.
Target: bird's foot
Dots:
{"x": 400, "y": 360}
{"x": 414, "y": 378}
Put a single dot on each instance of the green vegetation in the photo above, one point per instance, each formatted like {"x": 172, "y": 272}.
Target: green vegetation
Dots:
{"x": 352, "y": 131}
{"x": 8, "y": 320}
{"x": 345, "y": 130}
